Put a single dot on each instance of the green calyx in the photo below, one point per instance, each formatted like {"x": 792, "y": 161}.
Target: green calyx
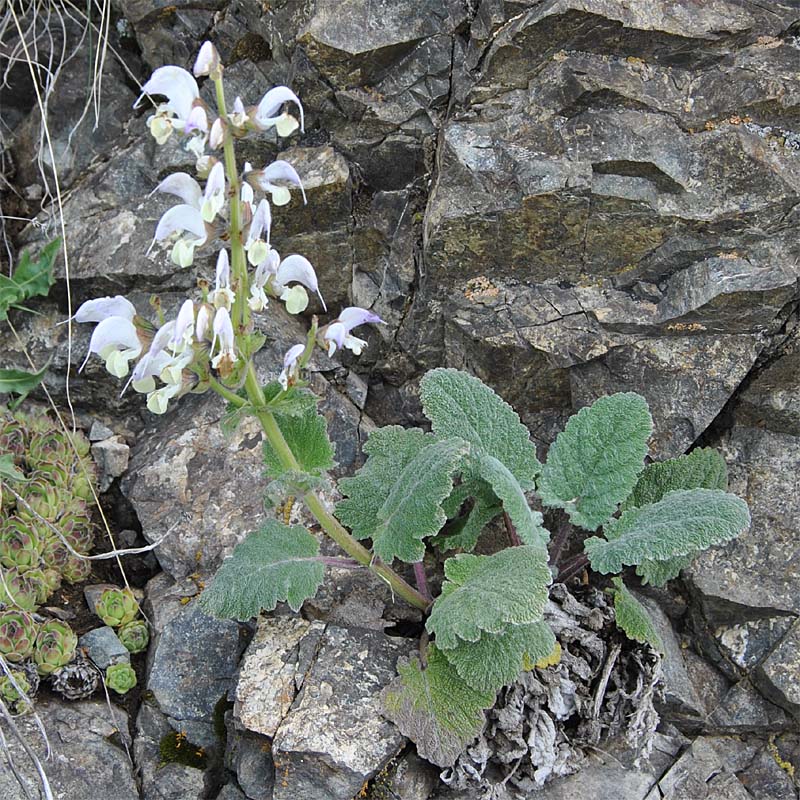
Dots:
{"x": 55, "y": 646}
{"x": 116, "y": 607}
{"x": 134, "y": 635}
{"x": 120, "y": 677}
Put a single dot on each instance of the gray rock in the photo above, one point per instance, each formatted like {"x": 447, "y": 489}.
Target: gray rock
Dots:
{"x": 746, "y": 644}
{"x": 99, "y": 431}
{"x": 249, "y": 757}
{"x": 413, "y": 778}
{"x": 744, "y": 710}
{"x": 757, "y": 569}
{"x": 86, "y": 763}
{"x": 192, "y": 664}
{"x": 779, "y": 675}
{"x": 302, "y": 684}
{"x": 111, "y": 457}
{"x": 104, "y": 648}
{"x": 151, "y": 727}
{"x": 230, "y": 792}
{"x": 176, "y": 782}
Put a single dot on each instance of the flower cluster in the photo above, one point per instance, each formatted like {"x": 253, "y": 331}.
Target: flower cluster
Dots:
{"x": 210, "y": 338}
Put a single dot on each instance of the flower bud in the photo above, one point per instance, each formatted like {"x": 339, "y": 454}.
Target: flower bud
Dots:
{"x": 208, "y": 62}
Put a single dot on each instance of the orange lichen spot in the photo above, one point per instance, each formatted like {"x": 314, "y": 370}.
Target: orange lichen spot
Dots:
{"x": 185, "y": 600}
{"x": 686, "y": 327}
{"x": 480, "y": 289}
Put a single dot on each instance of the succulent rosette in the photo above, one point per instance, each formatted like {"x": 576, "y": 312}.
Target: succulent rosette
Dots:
{"x": 40, "y": 583}
{"x": 120, "y": 677}
{"x": 55, "y": 646}
{"x": 15, "y": 692}
{"x": 134, "y": 635}
{"x": 76, "y": 680}
{"x": 76, "y": 569}
{"x": 117, "y": 607}
{"x": 16, "y": 591}
{"x": 19, "y": 545}
{"x": 17, "y": 636}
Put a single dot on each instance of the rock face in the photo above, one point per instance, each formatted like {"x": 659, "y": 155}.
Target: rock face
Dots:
{"x": 86, "y": 763}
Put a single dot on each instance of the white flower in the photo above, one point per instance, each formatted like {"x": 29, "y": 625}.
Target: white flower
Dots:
{"x": 337, "y": 334}
{"x": 181, "y": 185}
{"x": 185, "y": 219}
{"x": 181, "y": 91}
{"x": 117, "y": 342}
{"x": 101, "y": 307}
{"x": 207, "y": 61}
{"x": 257, "y": 244}
{"x": 158, "y": 400}
{"x": 238, "y": 116}
{"x": 290, "y": 365}
{"x": 184, "y": 328}
{"x": 217, "y": 135}
{"x": 214, "y": 194}
{"x": 299, "y": 269}
{"x": 223, "y": 335}
{"x": 264, "y": 271}
{"x": 202, "y": 328}
{"x": 275, "y": 179}
{"x": 269, "y": 106}
{"x": 222, "y": 296}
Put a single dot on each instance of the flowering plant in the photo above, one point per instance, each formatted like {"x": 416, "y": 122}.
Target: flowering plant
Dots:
{"x": 417, "y": 488}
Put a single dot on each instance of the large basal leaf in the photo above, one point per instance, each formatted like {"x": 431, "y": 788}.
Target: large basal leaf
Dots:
{"x": 497, "y": 659}
{"x": 437, "y": 710}
{"x": 633, "y": 619}
{"x": 464, "y": 533}
{"x": 657, "y": 573}
{"x": 390, "y": 450}
{"x": 20, "y": 382}
{"x": 703, "y": 468}
{"x": 527, "y": 523}
{"x": 307, "y": 437}
{"x": 412, "y": 511}
{"x": 274, "y": 564}
{"x": 457, "y": 404}
{"x": 595, "y": 461}
{"x": 29, "y": 279}
{"x": 487, "y": 593}
{"x": 681, "y": 523}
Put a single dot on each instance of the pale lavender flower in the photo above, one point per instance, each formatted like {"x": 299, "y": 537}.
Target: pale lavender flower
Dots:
{"x": 117, "y": 342}
{"x": 298, "y": 269}
{"x": 222, "y": 296}
{"x": 266, "y": 113}
{"x": 207, "y": 61}
{"x": 291, "y": 366}
{"x": 181, "y": 91}
{"x": 337, "y": 334}
{"x": 276, "y": 179}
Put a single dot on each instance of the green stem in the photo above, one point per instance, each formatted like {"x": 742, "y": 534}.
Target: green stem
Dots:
{"x": 225, "y": 392}
{"x": 241, "y": 311}
{"x": 329, "y": 523}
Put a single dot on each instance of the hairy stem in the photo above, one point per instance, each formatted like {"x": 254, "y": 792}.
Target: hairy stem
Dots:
{"x": 560, "y": 541}
{"x": 422, "y": 580}
{"x": 511, "y": 530}
{"x": 572, "y": 567}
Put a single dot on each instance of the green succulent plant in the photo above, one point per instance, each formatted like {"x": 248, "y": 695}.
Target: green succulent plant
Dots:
{"x": 134, "y": 635}
{"x": 117, "y": 607}
{"x": 55, "y": 646}
{"x": 16, "y": 591}
{"x": 16, "y": 697}
{"x": 17, "y": 636}
{"x": 19, "y": 545}
{"x": 76, "y": 570}
{"x": 120, "y": 677}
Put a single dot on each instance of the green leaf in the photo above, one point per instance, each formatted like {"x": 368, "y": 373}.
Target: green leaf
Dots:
{"x": 658, "y": 573}
{"x": 274, "y": 564}
{"x": 307, "y": 437}
{"x": 390, "y": 450}
{"x": 527, "y": 523}
{"x": 457, "y": 404}
{"x": 465, "y": 532}
{"x": 233, "y": 416}
{"x": 412, "y": 510}
{"x": 292, "y": 402}
{"x": 437, "y": 710}
{"x": 487, "y": 593}
{"x": 497, "y": 659}
{"x": 703, "y": 468}
{"x": 18, "y": 381}
{"x": 30, "y": 278}
{"x": 595, "y": 461}
{"x": 681, "y": 523}
{"x": 633, "y": 619}
{"x": 8, "y": 470}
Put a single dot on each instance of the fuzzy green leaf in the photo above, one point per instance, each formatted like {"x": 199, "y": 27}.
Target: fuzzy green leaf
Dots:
{"x": 527, "y": 523}
{"x": 595, "y": 461}
{"x": 292, "y": 402}
{"x": 390, "y": 450}
{"x": 434, "y": 707}
{"x": 657, "y": 573}
{"x": 487, "y": 593}
{"x": 496, "y": 659}
{"x": 703, "y": 468}
{"x": 681, "y": 523}
{"x": 307, "y": 437}
{"x": 633, "y": 619}
{"x": 29, "y": 279}
{"x": 274, "y": 564}
{"x": 465, "y": 532}
{"x": 457, "y": 404}
{"x": 412, "y": 510}
{"x": 20, "y": 382}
